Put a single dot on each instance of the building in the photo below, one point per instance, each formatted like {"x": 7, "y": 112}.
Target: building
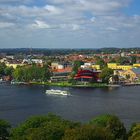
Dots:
{"x": 115, "y": 66}
{"x": 60, "y": 75}
{"x": 131, "y": 75}
{"x": 136, "y": 65}
{"x": 97, "y": 67}
{"x": 87, "y": 75}
{"x": 14, "y": 65}
{"x": 91, "y": 65}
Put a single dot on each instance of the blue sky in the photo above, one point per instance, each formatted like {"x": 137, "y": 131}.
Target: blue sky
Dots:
{"x": 69, "y": 23}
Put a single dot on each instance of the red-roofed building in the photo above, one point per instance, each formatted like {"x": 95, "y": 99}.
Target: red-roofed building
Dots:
{"x": 61, "y": 74}
{"x": 87, "y": 75}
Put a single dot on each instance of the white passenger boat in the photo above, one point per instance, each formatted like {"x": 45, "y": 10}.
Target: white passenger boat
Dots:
{"x": 56, "y": 92}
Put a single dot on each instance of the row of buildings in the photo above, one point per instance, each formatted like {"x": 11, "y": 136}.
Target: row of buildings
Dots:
{"x": 91, "y": 72}
{"x": 88, "y": 71}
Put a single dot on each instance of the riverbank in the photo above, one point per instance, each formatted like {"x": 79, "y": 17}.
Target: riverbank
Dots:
{"x": 66, "y": 84}
{"x": 83, "y": 85}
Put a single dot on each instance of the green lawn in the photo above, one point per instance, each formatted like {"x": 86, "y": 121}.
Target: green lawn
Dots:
{"x": 66, "y": 84}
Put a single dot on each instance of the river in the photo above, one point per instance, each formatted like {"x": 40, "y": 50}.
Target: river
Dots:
{"x": 17, "y": 103}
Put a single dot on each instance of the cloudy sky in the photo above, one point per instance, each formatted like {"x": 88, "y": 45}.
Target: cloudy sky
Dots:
{"x": 69, "y": 23}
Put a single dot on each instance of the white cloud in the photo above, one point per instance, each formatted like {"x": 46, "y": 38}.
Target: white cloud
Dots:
{"x": 6, "y": 24}
{"x": 92, "y": 19}
{"x": 111, "y": 29}
{"x": 70, "y": 18}
{"x": 75, "y": 27}
{"x": 52, "y": 9}
{"x": 26, "y": 11}
{"x": 40, "y": 25}
{"x": 95, "y": 6}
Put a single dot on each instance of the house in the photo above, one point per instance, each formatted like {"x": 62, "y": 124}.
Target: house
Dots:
{"x": 37, "y": 61}
{"x": 136, "y": 65}
{"x": 60, "y": 75}
{"x": 97, "y": 67}
{"x": 91, "y": 65}
{"x": 14, "y": 65}
{"x": 112, "y": 65}
{"x": 115, "y": 66}
{"x": 132, "y": 74}
{"x": 54, "y": 65}
{"x": 86, "y": 65}
{"x": 87, "y": 75}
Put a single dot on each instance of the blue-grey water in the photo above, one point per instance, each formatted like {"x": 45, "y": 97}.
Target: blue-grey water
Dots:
{"x": 17, "y": 103}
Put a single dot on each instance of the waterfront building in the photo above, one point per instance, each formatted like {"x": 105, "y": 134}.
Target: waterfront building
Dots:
{"x": 87, "y": 75}
{"x": 131, "y": 74}
{"x": 60, "y": 75}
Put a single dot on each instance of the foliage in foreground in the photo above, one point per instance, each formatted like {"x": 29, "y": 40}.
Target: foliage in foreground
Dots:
{"x": 112, "y": 124}
{"x": 49, "y": 127}
{"x": 52, "y": 127}
{"x": 4, "y": 130}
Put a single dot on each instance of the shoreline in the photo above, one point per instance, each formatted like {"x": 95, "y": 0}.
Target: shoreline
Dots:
{"x": 96, "y": 85}
{"x": 66, "y": 84}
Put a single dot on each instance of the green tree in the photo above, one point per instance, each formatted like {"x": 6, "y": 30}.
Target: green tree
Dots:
{"x": 106, "y": 74}
{"x": 18, "y": 74}
{"x": 2, "y": 67}
{"x": 76, "y": 66}
{"x": 101, "y": 62}
{"x": 31, "y": 73}
{"x": 75, "y": 69}
{"x": 134, "y": 133}
{"x": 122, "y": 60}
{"x": 8, "y": 71}
{"x": 49, "y": 127}
{"x": 88, "y": 132}
{"x": 133, "y": 59}
{"x": 4, "y": 130}
{"x": 112, "y": 124}
{"x": 112, "y": 60}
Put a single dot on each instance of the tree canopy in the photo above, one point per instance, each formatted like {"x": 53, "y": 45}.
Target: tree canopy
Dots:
{"x": 88, "y": 132}
{"x": 112, "y": 124}
{"x": 32, "y": 73}
{"x": 134, "y": 133}
{"x": 50, "y": 127}
{"x": 105, "y": 74}
{"x": 4, "y": 130}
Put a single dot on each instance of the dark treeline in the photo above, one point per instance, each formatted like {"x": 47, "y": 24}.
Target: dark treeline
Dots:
{"x": 52, "y": 127}
{"x": 63, "y": 51}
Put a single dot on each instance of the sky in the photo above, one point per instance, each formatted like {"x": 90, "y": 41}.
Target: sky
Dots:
{"x": 69, "y": 23}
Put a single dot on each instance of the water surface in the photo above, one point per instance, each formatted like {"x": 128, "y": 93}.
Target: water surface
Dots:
{"x": 17, "y": 103}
